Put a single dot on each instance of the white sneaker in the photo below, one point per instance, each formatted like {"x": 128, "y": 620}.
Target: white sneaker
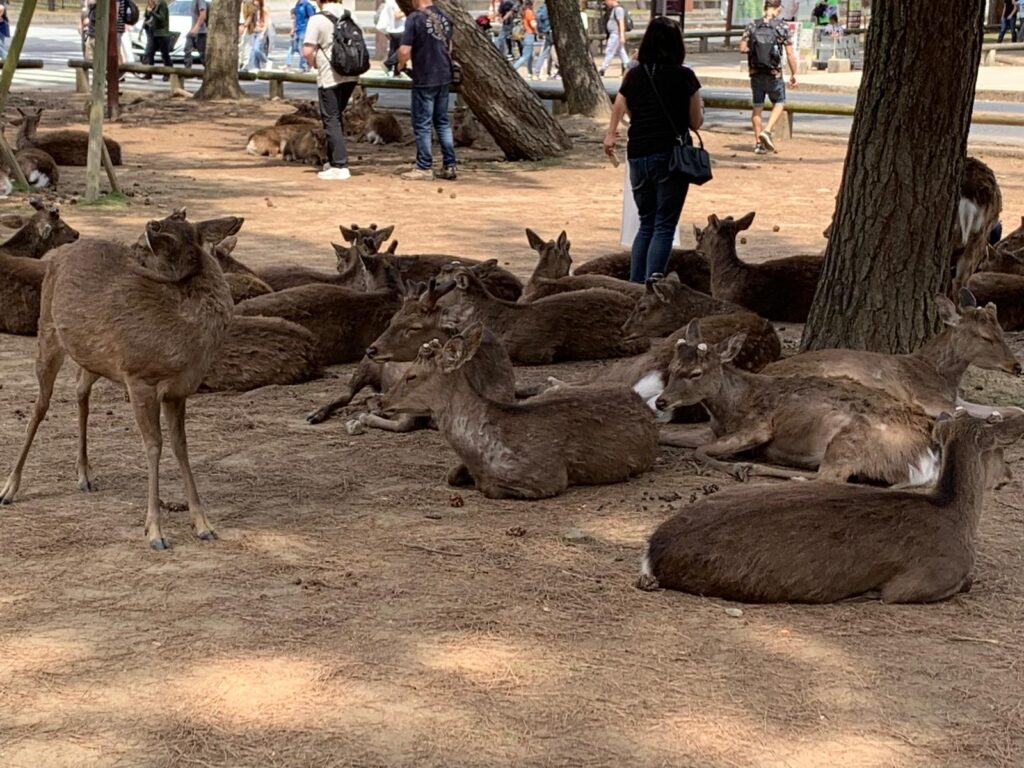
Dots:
{"x": 335, "y": 174}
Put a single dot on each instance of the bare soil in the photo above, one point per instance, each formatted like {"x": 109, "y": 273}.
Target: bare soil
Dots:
{"x": 358, "y": 612}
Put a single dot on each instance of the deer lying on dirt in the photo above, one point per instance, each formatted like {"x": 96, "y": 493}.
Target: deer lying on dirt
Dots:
{"x": 532, "y": 449}
{"x": 929, "y": 377}
{"x": 1006, "y": 291}
{"x": 1015, "y": 240}
{"x": 667, "y": 305}
{"x": 379, "y": 127}
{"x": 551, "y": 275}
{"x": 1003, "y": 260}
{"x": 260, "y": 351}
{"x": 781, "y": 289}
{"x": 582, "y": 325}
{"x": 65, "y": 147}
{"x": 839, "y": 428}
{"x": 269, "y": 141}
{"x": 822, "y": 542}
{"x": 21, "y": 271}
{"x": 465, "y": 128}
{"x": 342, "y": 321}
{"x": 309, "y": 147}
{"x": 155, "y": 327}
{"x": 306, "y": 113}
{"x": 691, "y": 266}
{"x": 981, "y": 202}
{"x": 243, "y": 284}
{"x": 37, "y": 166}
{"x": 421, "y": 268}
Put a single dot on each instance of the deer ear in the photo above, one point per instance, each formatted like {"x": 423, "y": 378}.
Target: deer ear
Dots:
{"x": 350, "y": 235}
{"x": 697, "y": 233}
{"x": 728, "y": 351}
{"x": 1008, "y": 431}
{"x": 673, "y": 277}
{"x": 37, "y": 203}
{"x": 693, "y": 332}
{"x": 659, "y": 287}
{"x": 947, "y": 312}
{"x": 461, "y": 348}
{"x": 745, "y": 222}
{"x": 534, "y": 239}
{"x": 713, "y": 221}
{"x": 383, "y": 234}
{"x": 967, "y": 298}
{"x": 563, "y": 241}
{"x": 212, "y": 231}
{"x": 227, "y": 245}
{"x": 462, "y": 280}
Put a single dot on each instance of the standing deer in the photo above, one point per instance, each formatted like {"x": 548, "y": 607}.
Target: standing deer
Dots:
{"x": 155, "y": 327}
{"x": 823, "y": 542}
{"x": 532, "y": 449}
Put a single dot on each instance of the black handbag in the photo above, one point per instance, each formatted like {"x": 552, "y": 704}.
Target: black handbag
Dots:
{"x": 690, "y": 162}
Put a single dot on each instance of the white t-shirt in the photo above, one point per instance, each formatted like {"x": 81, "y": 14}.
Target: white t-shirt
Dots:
{"x": 386, "y": 21}
{"x": 320, "y": 33}
{"x": 790, "y": 9}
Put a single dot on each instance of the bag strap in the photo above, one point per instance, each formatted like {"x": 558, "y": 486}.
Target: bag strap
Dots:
{"x": 668, "y": 116}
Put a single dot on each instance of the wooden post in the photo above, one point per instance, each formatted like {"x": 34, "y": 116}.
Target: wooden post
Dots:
{"x": 11, "y": 64}
{"x": 94, "y": 159}
{"x": 113, "y": 55}
{"x": 277, "y": 89}
{"x": 728, "y": 23}
{"x": 81, "y": 81}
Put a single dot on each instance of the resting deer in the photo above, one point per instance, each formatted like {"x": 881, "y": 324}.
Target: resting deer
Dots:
{"x": 981, "y": 202}
{"x": 1006, "y": 292}
{"x": 839, "y": 428}
{"x": 21, "y": 271}
{"x": 419, "y": 269}
{"x": 667, "y": 305}
{"x": 551, "y": 275}
{"x": 691, "y": 266}
{"x": 65, "y": 147}
{"x": 270, "y": 141}
{"x": 929, "y": 377}
{"x": 582, "y": 325}
{"x": 155, "y": 327}
{"x": 532, "y": 449}
{"x": 1002, "y": 259}
{"x": 309, "y": 147}
{"x": 1014, "y": 241}
{"x": 306, "y": 112}
{"x": 380, "y": 127}
{"x": 260, "y": 352}
{"x": 781, "y": 289}
{"x": 822, "y": 542}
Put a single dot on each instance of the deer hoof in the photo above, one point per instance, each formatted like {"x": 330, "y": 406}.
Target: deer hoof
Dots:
{"x": 741, "y": 472}
{"x": 317, "y": 417}
{"x": 160, "y": 544}
{"x": 647, "y": 583}
{"x": 208, "y": 535}
{"x": 88, "y": 486}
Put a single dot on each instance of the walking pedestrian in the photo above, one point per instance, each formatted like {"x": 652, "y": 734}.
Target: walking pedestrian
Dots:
{"x": 546, "y": 41}
{"x": 615, "y": 29}
{"x": 529, "y": 38}
{"x": 662, "y": 98}
{"x": 300, "y": 13}
{"x": 5, "y": 31}
{"x": 195, "y": 40}
{"x": 1008, "y": 20}
{"x": 391, "y": 21}
{"x": 763, "y": 41}
{"x": 506, "y": 18}
{"x": 334, "y": 90}
{"x": 256, "y": 29}
{"x": 427, "y": 42}
{"x": 158, "y": 31}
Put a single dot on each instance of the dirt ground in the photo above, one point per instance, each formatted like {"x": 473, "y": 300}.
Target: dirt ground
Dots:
{"x": 358, "y": 612}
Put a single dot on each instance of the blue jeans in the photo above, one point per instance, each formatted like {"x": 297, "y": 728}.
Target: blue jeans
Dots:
{"x": 296, "y": 48}
{"x": 1007, "y": 25}
{"x": 258, "y": 56}
{"x": 545, "y": 54}
{"x": 527, "y": 57}
{"x": 659, "y": 196}
{"x": 501, "y": 42}
{"x": 430, "y": 107}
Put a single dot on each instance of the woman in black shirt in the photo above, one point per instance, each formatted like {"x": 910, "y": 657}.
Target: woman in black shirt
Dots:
{"x": 654, "y": 127}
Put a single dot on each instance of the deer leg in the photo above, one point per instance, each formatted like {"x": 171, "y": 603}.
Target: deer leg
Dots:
{"x": 368, "y": 374}
{"x": 405, "y": 423}
{"x": 147, "y": 415}
{"x": 929, "y": 582}
{"x": 737, "y": 442}
{"x": 459, "y": 476}
{"x": 174, "y": 414}
{"x": 83, "y": 390}
{"x": 48, "y": 362}
{"x": 984, "y": 411}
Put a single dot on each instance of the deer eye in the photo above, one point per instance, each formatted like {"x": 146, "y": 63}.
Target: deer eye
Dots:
{"x": 695, "y": 374}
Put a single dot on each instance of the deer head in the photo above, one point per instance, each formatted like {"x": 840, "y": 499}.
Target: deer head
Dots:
{"x": 695, "y": 372}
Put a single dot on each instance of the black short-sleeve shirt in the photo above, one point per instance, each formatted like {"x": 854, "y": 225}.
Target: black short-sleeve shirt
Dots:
{"x": 650, "y": 131}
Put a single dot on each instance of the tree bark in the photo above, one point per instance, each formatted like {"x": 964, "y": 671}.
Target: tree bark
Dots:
{"x": 220, "y": 65}
{"x": 584, "y": 91}
{"x": 499, "y": 97}
{"x": 889, "y": 251}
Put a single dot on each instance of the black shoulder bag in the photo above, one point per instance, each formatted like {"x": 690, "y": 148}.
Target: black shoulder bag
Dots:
{"x": 690, "y": 162}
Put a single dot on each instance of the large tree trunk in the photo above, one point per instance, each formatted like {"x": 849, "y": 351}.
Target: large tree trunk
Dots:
{"x": 501, "y": 100}
{"x": 584, "y": 91}
{"x": 889, "y": 250}
{"x": 220, "y": 74}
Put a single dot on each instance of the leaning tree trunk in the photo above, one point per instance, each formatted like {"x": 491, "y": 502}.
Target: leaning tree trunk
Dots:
{"x": 584, "y": 90}
{"x": 220, "y": 73}
{"x": 889, "y": 251}
{"x": 501, "y": 100}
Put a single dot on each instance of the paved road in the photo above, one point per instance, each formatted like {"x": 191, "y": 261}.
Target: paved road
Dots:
{"x": 55, "y": 45}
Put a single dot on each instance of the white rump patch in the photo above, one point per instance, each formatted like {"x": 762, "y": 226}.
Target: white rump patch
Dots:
{"x": 650, "y": 388}
{"x": 645, "y": 562}
{"x": 38, "y": 179}
{"x": 5, "y": 186}
{"x": 251, "y": 148}
{"x": 925, "y": 472}
{"x": 374, "y": 138}
{"x": 970, "y": 218}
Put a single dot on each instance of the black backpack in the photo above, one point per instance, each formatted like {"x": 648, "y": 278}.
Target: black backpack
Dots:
{"x": 349, "y": 56}
{"x": 131, "y": 13}
{"x": 607, "y": 16}
{"x": 765, "y": 53}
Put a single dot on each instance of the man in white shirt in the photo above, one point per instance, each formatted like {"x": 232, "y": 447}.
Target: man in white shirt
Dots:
{"x": 391, "y": 21}
{"x": 334, "y": 90}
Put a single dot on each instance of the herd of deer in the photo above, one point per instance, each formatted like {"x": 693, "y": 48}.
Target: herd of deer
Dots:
{"x": 299, "y": 136}
{"x": 176, "y": 312}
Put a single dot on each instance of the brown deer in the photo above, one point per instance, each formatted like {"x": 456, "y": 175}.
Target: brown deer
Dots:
{"x": 21, "y": 271}
{"x": 551, "y": 275}
{"x": 582, "y": 325}
{"x": 1015, "y": 240}
{"x": 38, "y": 167}
{"x": 929, "y": 377}
{"x": 65, "y": 147}
{"x": 981, "y": 202}
{"x": 823, "y": 542}
{"x": 343, "y": 322}
{"x": 155, "y": 327}
{"x": 1005, "y": 291}
{"x": 691, "y": 266}
{"x": 532, "y": 449}
{"x": 421, "y": 268}
{"x": 268, "y": 141}
{"x": 667, "y": 305}
{"x": 261, "y": 351}
{"x": 306, "y": 113}
{"x": 1004, "y": 260}
{"x": 839, "y": 428}
{"x": 309, "y": 147}
{"x": 243, "y": 283}
{"x": 419, "y": 319}
{"x": 465, "y": 128}
{"x": 380, "y": 127}
{"x": 349, "y": 272}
